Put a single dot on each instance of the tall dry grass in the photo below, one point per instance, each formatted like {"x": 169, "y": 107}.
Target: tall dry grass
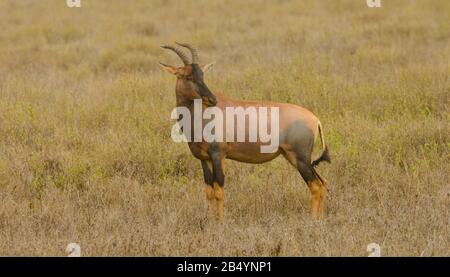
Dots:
{"x": 85, "y": 148}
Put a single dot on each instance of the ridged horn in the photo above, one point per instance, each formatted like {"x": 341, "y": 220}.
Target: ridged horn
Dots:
{"x": 178, "y": 52}
{"x": 193, "y": 51}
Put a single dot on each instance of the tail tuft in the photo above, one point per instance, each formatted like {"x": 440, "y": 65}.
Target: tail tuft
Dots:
{"x": 324, "y": 157}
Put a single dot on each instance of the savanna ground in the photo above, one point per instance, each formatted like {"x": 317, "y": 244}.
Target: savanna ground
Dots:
{"x": 85, "y": 148}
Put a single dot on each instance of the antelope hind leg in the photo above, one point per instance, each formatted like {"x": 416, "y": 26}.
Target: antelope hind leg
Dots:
{"x": 323, "y": 193}
{"x": 316, "y": 194}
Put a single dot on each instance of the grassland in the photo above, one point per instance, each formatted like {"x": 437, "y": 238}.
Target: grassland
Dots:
{"x": 85, "y": 148}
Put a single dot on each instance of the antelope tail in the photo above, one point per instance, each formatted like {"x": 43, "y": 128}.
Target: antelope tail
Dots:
{"x": 325, "y": 156}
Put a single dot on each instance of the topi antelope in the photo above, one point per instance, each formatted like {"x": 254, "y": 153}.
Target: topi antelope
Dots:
{"x": 298, "y": 129}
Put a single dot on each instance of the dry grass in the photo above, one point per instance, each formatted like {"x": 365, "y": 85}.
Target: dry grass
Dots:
{"x": 85, "y": 148}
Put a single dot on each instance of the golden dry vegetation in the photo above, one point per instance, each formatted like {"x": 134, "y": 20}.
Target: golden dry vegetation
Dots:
{"x": 85, "y": 148}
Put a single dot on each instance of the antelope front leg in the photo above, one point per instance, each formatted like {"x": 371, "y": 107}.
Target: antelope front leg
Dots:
{"x": 214, "y": 183}
{"x": 215, "y": 195}
{"x": 209, "y": 190}
{"x": 219, "y": 195}
{"x": 219, "y": 180}
{"x": 212, "y": 206}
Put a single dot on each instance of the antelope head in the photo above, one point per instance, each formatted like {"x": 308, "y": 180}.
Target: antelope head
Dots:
{"x": 190, "y": 83}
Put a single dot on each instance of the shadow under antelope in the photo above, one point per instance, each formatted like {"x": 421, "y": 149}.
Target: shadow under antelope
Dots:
{"x": 298, "y": 130}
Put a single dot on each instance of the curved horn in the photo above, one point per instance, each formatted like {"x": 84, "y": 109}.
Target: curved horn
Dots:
{"x": 192, "y": 50}
{"x": 178, "y": 52}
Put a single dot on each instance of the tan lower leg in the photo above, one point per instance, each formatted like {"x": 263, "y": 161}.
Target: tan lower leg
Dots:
{"x": 322, "y": 183}
{"x": 323, "y": 198}
{"x": 219, "y": 196}
{"x": 212, "y": 207}
{"x": 316, "y": 192}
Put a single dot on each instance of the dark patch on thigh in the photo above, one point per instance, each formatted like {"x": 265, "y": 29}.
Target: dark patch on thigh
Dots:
{"x": 301, "y": 138}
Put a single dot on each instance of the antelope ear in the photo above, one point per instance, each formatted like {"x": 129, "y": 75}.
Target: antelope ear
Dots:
{"x": 206, "y": 67}
{"x": 171, "y": 69}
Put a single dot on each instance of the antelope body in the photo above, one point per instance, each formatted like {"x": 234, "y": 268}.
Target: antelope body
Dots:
{"x": 298, "y": 129}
